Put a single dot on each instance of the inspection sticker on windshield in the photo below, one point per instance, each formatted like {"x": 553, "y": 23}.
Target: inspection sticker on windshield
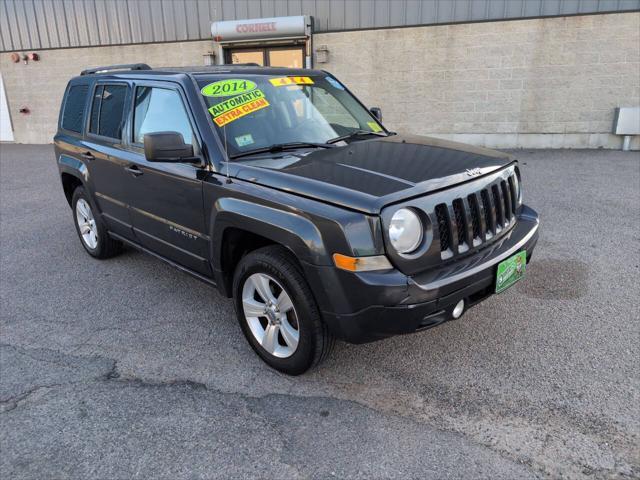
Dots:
{"x": 244, "y": 140}
{"x": 510, "y": 271}
{"x": 241, "y": 111}
{"x": 281, "y": 82}
{"x": 226, "y": 88}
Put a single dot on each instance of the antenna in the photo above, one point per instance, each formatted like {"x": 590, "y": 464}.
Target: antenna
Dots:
{"x": 226, "y": 151}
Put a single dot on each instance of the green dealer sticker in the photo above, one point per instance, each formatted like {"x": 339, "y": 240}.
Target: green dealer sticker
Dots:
{"x": 510, "y": 271}
{"x": 226, "y": 88}
{"x": 235, "y": 102}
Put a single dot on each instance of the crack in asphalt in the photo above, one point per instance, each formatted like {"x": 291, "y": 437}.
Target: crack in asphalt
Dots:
{"x": 379, "y": 400}
{"x": 422, "y": 410}
{"x": 486, "y": 424}
{"x": 482, "y": 426}
{"x": 111, "y": 376}
{"x": 11, "y": 403}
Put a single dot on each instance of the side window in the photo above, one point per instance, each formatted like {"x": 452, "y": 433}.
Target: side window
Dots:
{"x": 107, "y": 111}
{"x": 160, "y": 110}
{"x": 73, "y": 110}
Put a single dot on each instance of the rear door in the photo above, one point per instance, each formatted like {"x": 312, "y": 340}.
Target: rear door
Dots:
{"x": 165, "y": 199}
{"x": 104, "y": 153}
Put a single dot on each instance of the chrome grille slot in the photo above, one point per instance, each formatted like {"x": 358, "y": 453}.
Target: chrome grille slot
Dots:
{"x": 506, "y": 195}
{"x": 497, "y": 202}
{"x": 514, "y": 193}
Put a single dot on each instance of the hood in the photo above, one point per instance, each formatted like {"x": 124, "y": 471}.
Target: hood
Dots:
{"x": 366, "y": 175}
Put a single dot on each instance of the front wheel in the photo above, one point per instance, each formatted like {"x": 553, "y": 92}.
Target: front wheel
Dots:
{"x": 277, "y": 312}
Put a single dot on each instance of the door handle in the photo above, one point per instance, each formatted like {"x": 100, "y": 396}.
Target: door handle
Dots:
{"x": 134, "y": 170}
{"x": 88, "y": 156}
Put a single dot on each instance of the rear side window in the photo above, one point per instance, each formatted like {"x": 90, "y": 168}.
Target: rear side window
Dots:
{"x": 107, "y": 111}
{"x": 73, "y": 110}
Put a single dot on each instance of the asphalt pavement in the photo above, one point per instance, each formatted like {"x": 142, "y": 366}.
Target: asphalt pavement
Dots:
{"x": 127, "y": 368}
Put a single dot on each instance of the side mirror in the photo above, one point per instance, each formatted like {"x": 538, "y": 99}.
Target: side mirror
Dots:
{"x": 167, "y": 147}
{"x": 376, "y": 112}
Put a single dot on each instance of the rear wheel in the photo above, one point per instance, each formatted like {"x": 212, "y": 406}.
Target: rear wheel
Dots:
{"x": 278, "y": 313}
{"x": 92, "y": 232}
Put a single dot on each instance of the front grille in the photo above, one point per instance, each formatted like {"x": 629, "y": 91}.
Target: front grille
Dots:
{"x": 474, "y": 219}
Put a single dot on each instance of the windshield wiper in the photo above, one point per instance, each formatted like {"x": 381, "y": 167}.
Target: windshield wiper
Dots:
{"x": 281, "y": 147}
{"x": 355, "y": 133}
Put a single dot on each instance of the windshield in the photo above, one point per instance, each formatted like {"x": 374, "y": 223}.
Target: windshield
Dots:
{"x": 252, "y": 112}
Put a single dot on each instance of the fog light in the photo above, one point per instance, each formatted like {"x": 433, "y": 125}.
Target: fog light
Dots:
{"x": 458, "y": 309}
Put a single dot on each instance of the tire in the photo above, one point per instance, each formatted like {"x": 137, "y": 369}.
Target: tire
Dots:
{"x": 93, "y": 236}
{"x": 283, "y": 275}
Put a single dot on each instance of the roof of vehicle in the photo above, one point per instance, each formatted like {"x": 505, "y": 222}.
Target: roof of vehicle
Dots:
{"x": 142, "y": 70}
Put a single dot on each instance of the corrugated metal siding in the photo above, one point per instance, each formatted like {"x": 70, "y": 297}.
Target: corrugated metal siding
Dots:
{"x": 41, "y": 24}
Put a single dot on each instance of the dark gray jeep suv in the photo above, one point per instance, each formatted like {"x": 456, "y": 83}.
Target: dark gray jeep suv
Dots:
{"x": 280, "y": 188}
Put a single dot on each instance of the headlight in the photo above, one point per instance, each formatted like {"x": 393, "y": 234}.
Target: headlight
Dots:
{"x": 405, "y": 231}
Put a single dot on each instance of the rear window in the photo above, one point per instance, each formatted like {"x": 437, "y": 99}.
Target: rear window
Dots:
{"x": 73, "y": 110}
{"x": 107, "y": 111}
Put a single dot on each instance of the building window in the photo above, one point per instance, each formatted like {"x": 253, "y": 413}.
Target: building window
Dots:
{"x": 290, "y": 57}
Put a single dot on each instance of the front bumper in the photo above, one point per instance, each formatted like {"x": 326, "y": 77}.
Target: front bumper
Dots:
{"x": 374, "y": 305}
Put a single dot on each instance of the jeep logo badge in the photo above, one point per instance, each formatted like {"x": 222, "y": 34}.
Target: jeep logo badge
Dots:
{"x": 474, "y": 172}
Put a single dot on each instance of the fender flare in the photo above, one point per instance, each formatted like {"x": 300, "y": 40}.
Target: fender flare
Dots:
{"x": 293, "y": 231}
{"x": 74, "y": 167}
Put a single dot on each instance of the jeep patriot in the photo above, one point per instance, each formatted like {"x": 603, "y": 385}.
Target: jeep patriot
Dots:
{"x": 280, "y": 188}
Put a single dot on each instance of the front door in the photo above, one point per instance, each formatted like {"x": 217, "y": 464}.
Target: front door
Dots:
{"x": 166, "y": 198}
{"x": 289, "y": 57}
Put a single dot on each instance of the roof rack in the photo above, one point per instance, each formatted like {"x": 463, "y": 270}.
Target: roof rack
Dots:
{"x": 129, "y": 66}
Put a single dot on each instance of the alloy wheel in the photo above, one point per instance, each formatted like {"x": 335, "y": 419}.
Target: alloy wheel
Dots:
{"x": 86, "y": 224}
{"x": 270, "y": 314}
